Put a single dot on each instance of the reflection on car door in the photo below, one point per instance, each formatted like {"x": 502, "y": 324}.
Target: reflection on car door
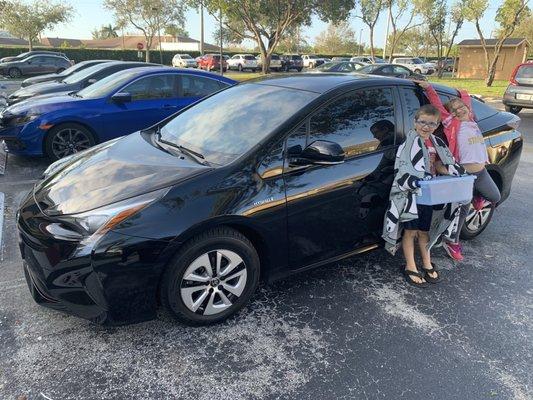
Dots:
{"x": 335, "y": 209}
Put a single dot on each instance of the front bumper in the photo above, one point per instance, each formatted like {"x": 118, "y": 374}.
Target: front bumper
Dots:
{"x": 24, "y": 140}
{"x": 116, "y": 284}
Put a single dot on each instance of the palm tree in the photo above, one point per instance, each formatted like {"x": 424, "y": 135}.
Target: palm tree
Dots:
{"x": 109, "y": 31}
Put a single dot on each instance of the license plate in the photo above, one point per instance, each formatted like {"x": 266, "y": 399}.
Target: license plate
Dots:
{"x": 528, "y": 97}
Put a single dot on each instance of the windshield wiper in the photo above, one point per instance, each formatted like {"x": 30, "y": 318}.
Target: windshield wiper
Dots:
{"x": 200, "y": 158}
{"x": 75, "y": 94}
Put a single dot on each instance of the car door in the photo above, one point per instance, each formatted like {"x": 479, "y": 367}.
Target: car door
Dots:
{"x": 153, "y": 98}
{"x": 30, "y": 66}
{"x": 334, "y": 210}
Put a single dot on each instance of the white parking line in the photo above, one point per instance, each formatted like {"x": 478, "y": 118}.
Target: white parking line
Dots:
{"x": 1, "y": 220}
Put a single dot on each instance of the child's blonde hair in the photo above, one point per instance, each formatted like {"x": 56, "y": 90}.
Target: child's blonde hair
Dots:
{"x": 453, "y": 103}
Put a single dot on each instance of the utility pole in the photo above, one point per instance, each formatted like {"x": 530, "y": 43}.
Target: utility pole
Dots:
{"x": 360, "y": 43}
{"x": 156, "y": 10}
{"x": 202, "y": 29}
{"x": 221, "y": 56}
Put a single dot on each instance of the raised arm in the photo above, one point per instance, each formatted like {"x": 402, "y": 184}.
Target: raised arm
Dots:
{"x": 434, "y": 99}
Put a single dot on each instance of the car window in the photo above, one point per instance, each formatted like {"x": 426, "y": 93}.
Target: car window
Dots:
{"x": 525, "y": 71}
{"x": 197, "y": 86}
{"x": 482, "y": 110}
{"x": 412, "y": 100}
{"x": 398, "y": 69}
{"x": 152, "y": 87}
{"x": 359, "y": 121}
{"x": 249, "y": 57}
{"x": 386, "y": 70}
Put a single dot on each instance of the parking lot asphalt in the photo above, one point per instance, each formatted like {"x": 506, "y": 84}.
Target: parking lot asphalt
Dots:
{"x": 350, "y": 330}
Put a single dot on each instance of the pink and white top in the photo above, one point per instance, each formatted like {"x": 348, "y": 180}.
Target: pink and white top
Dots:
{"x": 471, "y": 144}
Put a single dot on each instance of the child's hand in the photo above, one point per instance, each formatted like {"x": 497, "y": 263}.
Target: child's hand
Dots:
{"x": 422, "y": 84}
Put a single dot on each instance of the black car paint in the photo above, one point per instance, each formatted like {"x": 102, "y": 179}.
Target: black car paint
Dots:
{"x": 297, "y": 218}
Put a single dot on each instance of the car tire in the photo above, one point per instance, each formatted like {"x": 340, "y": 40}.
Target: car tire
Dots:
{"x": 14, "y": 73}
{"x": 417, "y": 71}
{"x": 60, "y": 70}
{"x": 205, "y": 258}
{"x": 299, "y": 69}
{"x": 513, "y": 109}
{"x": 68, "y": 138}
{"x": 239, "y": 67}
{"x": 476, "y": 221}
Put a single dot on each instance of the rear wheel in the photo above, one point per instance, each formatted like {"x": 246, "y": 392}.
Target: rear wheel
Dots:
{"x": 211, "y": 277}
{"x": 239, "y": 67}
{"x": 513, "y": 109}
{"x": 299, "y": 69}
{"x": 67, "y": 139}
{"x": 60, "y": 70}
{"x": 476, "y": 221}
{"x": 15, "y": 73}
{"x": 417, "y": 71}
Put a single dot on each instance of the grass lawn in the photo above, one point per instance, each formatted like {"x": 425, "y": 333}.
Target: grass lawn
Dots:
{"x": 473, "y": 86}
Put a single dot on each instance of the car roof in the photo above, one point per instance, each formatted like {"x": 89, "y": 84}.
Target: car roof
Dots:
{"x": 320, "y": 83}
{"x": 167, "y": 70}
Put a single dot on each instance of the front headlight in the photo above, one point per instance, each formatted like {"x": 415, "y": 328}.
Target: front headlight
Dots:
{"x": 89, "y": 227}
{"x": 22, "y": 119}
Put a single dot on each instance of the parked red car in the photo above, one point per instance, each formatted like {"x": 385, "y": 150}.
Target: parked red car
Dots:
{"x": 519, "y": 93}
{"x": 211, "y": 62}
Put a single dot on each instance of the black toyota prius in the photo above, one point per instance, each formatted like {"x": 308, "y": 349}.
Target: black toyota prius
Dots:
{"x": 263, "y": 179}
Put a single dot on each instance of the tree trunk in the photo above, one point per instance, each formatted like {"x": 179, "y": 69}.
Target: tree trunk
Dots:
{"x": 372, "y": 42}
{"x": 491, "y": 73}
{"x": 147, "y": 59}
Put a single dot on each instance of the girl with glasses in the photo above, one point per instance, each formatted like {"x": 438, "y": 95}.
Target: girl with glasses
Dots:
{"x": 468, "y": 147}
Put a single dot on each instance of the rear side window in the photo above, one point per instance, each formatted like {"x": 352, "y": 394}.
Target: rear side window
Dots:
{"x": 360, "y": 121}
{"x": 197, "y": 86}
{"x": 152, "y": 87}
{"x": 412, "y": 102}
{"x": 482, "y": 110}
{"x": 525, "y": 71}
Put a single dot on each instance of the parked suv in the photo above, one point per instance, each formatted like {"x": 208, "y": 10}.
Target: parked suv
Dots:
{"x": 368, "y": 60}
{"x": 211, "y": 62}
{"x": 184, "y": 61}
{"x": 416, "y": 65}
{"x": 312, "y": 61}
{"x": 264, "y": 179}
{"x": 35, "y": 65}
{"x": 27, "y": 54}
{"x": 519, "y": 93}
{"x": 276, "y": 63}
{"x": 292, "y": 61}
{"x": 243, "y": 61}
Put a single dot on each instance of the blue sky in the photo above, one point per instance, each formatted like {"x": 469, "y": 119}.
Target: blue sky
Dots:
{"x": 90, "y": 14}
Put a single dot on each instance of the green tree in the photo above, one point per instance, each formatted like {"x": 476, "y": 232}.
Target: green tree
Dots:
{"x": 148, "y": 16}
{"x": 370, "y": 11}
{"x": 105, "y": 32}
{"x": 508, "y": 16}
{"x": 413, "y": 42}
{"x": 399, "y": 10}
{"x": 28, "y": 21}
{"x": 175, "y": 30}
{"x": 337, "y": 39}
{"x": 525, "y": 29}
{"x": 266, "y": 22}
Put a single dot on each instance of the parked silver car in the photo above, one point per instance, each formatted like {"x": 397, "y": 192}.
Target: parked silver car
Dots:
{"x": 35, "y": 65}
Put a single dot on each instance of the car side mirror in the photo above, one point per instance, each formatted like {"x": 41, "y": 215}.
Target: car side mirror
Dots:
{"x": 121, "y": 98}
{"x": 319, "y": 152}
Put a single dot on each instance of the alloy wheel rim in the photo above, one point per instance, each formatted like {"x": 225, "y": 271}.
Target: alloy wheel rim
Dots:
{"x": 69, "y": 141}
{"x": 476, "y": 219}
{"x": 213, "y": 282}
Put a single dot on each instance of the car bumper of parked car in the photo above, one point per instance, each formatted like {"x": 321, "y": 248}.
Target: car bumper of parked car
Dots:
{"x": 24, "y": 140}
{"x": 113, "y": 285}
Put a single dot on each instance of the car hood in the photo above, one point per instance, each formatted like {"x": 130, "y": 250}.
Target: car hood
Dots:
{"x": 44, "y": 103}
{"x": 111, "y": 172}
{"x": 43, "y": 78}
{"x": 45, "y": 88}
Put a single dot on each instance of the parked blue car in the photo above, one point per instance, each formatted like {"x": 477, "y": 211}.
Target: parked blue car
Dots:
{"x": 58, "y": 125}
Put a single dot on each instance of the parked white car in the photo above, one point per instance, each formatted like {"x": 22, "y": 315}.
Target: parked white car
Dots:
{"x": 275, "y": 62}
{"x": 312, "y": 61}
{"x": 184, "y": 61}
{"x": 242, "y": 62}
{"x": 415, "y": 64}
{"x": 368, "y": 60}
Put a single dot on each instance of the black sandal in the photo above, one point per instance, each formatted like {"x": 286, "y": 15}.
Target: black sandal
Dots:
{"x": 407, "y": 273}
{"x": 431, "y": 270}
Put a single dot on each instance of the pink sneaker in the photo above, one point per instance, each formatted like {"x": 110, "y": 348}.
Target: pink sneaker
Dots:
{"x": 454, "y": 251}
{"x": 479, "y": 202}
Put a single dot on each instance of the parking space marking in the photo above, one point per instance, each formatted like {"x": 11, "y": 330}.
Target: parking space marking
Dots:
{"x": 1, "y": 221}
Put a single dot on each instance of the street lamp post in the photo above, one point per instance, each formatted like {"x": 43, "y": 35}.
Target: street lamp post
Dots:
{"x": 158, "y": 34}
{"x": 221, "y": 56}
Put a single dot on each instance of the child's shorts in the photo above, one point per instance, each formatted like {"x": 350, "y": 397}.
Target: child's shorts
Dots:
{"x": 423, "y": 222}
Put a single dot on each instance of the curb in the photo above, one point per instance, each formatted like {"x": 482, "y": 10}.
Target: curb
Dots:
{"x": 1, "y": 221}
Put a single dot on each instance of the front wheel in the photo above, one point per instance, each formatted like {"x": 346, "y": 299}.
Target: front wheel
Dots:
{"x": 417, "y": 71}
{"x": 513, "y": 109}
{"x": 477, "y": 220}
{"x": 60, "y": 70}
{"x": 211, "y": 277}
{"x": 67, "y": 139}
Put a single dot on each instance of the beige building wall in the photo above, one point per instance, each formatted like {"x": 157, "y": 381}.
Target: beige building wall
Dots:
{"x": 472, "y": 61}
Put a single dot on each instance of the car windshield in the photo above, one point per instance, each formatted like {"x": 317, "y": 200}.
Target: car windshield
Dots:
{"x": 229, "y": 123}
{"x": 186, "y": 57}
{"x": 107, "y": 85}
{"x": 379, "y": 60}
{"x": 249, "y": 57}
{"x": 73, "y": 69}
{"x": 312, "y": 56}
{"x": 327, "y": 66}
{"x": 81, "y": 75}
{"x": 417, "y": 61}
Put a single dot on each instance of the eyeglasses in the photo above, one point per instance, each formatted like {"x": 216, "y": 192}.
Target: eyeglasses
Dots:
{"x": 454, "y": 110}
{"x": 429, "y": 124}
